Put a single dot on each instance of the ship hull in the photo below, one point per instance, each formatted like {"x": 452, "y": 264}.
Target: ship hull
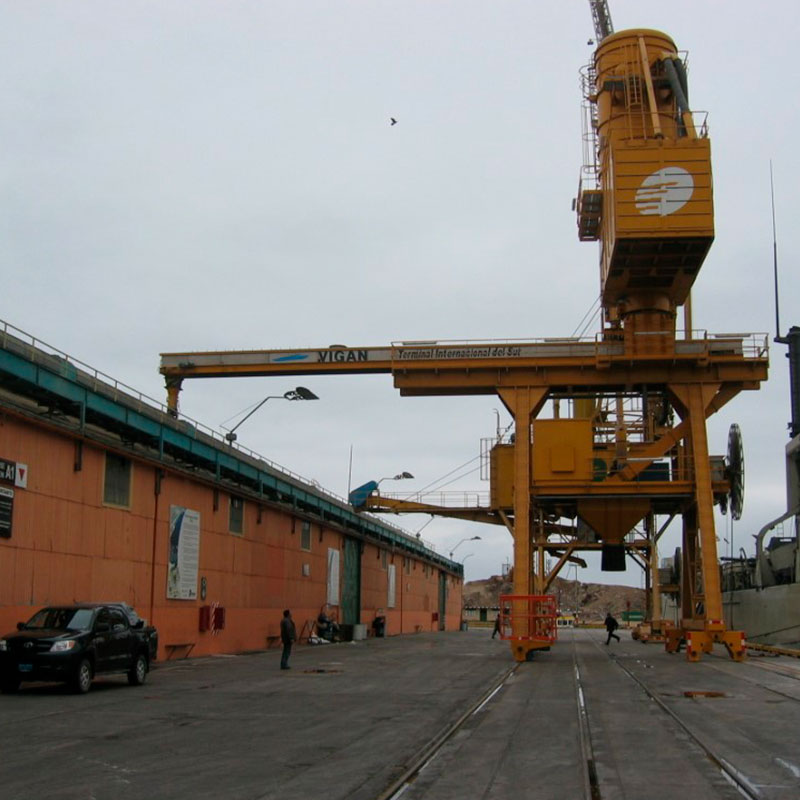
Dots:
{"x": 767, "y": 616}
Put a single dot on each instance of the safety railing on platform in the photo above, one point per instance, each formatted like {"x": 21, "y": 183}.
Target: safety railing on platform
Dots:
{"x": 452, "y": 499}
{"x": 589, "y": 163}
{"x": 600, "y": 345}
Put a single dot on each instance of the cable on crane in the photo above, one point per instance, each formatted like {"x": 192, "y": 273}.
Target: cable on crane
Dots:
{"x": 447, "y": 475}
{"x": 593, "y": 309}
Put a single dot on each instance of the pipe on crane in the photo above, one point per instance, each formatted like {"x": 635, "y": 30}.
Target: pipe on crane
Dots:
{"x": 678, "y": 87}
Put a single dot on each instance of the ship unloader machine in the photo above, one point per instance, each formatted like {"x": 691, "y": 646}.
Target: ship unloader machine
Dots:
{"x": 622, "y": 449}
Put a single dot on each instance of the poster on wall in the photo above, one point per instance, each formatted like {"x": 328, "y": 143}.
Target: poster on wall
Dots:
{"x": 333, "y": 577}
{"x": 390, "y": 594}
{"x": 184, "y": 553}
{"x": 6, "y": 511}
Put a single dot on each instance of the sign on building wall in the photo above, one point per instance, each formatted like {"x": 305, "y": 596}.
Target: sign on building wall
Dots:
{"x": 21, "y": 478}
{"x": 183, "y": 557}
{"x": 14, "y": 472}
{"x": 6, "y": 511}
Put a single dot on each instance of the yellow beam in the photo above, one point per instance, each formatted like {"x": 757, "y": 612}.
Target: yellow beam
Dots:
{"x": 578, "y": 376}
{"x": 557, "y": 568}
{"x": 486, "y": 368}
{"x": 377, "y": 503}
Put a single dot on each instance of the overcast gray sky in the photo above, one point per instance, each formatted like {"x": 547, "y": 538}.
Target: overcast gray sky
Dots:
{"x": 223, "y": 175}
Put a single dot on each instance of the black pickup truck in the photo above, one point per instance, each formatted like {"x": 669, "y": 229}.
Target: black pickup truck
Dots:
{"x": 73, "y": 643}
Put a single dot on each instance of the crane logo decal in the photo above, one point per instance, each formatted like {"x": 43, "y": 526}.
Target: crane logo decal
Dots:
{"x": 664, "y": 192}
{"x": 293, "y": 357}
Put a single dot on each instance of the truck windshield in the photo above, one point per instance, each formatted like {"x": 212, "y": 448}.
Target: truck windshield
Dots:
{"x": 62, "y": 619}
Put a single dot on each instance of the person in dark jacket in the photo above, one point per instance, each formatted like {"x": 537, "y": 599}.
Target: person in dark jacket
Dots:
{"x": 611, "y": 625}
{"x": 497, "y": 628}
{"x": 288, "y": 635}
{"x": 327, "y": 628}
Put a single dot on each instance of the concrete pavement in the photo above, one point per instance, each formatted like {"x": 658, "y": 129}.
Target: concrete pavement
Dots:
{"x": 349, "y": 720}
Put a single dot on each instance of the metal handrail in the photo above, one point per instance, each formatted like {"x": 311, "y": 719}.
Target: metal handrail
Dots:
{"x": 451, "y": 499}
{"x": 458, "y": 342}
{"x": 756, "y": 343}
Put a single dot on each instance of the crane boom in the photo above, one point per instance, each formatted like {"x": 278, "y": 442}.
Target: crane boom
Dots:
{"x": 601, "y": 17}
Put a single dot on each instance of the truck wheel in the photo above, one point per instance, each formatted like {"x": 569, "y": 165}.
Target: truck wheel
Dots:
{"x": 138, "y": 673}
{"x": 82, "y": 679}
{"x": 9, "y": 685}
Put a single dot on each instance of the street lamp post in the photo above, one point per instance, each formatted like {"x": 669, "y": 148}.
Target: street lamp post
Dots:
{"x": 468, "y": 539}
{"x": 300, "y": 393}
{"x": 358, "y": 497}
{"x": 401, "y": 476}
{"x": 418, "y": 534}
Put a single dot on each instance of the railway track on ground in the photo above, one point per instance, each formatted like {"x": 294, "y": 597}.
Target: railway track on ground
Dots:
{"x": 433, "y": 748}
{"x": 404, "y": 785}
{"x": 729, "y": 771}
{"x": 407, "y": 786}
{"x": 591, "y": 788}
{"x": 594, "y": 789}
{"x": 775, "y": 669}
{"x": 779, "y": 669}
{"x": 594, "y": 768}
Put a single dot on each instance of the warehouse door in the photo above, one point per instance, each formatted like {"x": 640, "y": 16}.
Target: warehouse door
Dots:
{"x": 351, "y": 586}
{"x": 442, "y": 598}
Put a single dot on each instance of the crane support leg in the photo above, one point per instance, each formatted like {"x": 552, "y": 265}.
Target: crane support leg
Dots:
{"x": 523, "y": 403}
{"x": 173, "y": 385}
{"x": 701, "y": 596}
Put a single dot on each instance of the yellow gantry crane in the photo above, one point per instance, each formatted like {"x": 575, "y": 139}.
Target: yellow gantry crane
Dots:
{"x": 624, "y": 440}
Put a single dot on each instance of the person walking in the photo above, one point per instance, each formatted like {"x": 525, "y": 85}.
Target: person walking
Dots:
{"x": 497, "y": 628}
{"x": 611, "y": 625}
{"x": 288, "y": 635}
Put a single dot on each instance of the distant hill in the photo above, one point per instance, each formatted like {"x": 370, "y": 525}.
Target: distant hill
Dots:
{"x": 593, "y": 600}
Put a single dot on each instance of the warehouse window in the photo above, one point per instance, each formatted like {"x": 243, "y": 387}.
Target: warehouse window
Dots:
{"x": 117, "y": 483}
{"x": 236, "y": 515}
{"x": 305, "y": 535}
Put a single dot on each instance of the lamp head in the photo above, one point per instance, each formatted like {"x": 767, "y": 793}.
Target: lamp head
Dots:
{"x": 300, "y": 393}
{"x": 401, "y": 476}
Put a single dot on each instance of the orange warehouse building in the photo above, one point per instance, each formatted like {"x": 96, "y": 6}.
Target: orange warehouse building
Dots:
{"x": 106, "y": 497}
